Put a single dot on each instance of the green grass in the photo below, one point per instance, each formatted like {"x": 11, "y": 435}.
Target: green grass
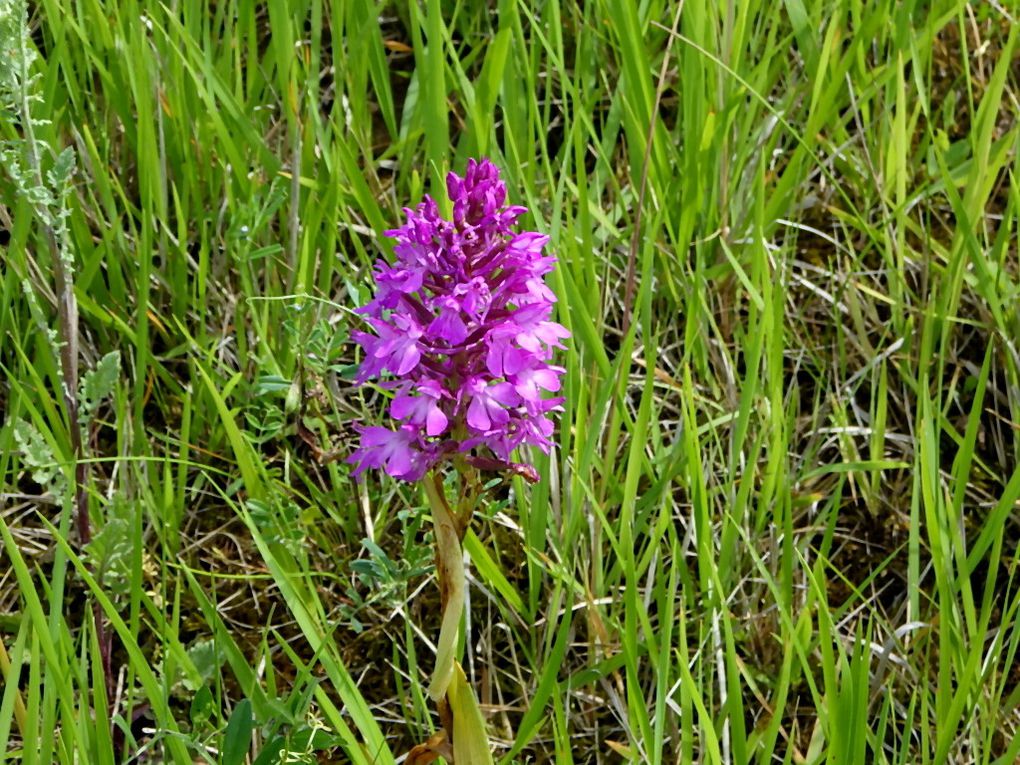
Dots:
{"x": 781, "y": 524}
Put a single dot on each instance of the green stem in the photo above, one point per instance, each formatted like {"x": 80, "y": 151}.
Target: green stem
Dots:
{"x": 450, "y": 564}
{"x": 458, "y": 708}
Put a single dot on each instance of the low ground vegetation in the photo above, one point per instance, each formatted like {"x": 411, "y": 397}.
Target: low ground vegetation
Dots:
{"x": 781, "y": 520}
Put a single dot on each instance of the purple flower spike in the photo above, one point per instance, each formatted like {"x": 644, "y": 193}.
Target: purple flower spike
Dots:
{"x": 462, "y": 320}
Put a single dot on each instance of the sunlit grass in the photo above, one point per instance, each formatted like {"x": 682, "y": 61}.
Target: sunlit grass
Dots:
{"x": 781, "y": 521}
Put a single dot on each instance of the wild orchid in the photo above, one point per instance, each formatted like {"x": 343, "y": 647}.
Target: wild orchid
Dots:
{"x": 462, "y": 322}
{"x": 461, "y": 332}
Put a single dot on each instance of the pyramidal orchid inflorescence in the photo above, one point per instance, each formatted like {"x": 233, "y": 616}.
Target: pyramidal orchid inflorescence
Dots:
{"x": 461, "y": 321}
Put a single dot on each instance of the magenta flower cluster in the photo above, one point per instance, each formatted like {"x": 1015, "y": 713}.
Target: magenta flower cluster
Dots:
{"x": 462, "y": 322}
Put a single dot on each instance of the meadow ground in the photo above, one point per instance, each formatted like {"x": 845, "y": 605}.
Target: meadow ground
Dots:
{"x": 781, "y": 520}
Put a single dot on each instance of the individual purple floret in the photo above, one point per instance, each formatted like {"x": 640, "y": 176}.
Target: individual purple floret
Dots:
{"x": 462, "y": 321}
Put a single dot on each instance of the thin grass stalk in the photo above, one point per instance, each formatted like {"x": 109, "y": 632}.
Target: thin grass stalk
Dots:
{"x": 629, "y": 282}
{"x": 6, "y": 671}
{"x": 67, "y": 321}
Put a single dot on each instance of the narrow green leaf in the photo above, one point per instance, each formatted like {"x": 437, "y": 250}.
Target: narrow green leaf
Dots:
{"x": 237, "y": 736}
{"x": 470, "y": 741}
